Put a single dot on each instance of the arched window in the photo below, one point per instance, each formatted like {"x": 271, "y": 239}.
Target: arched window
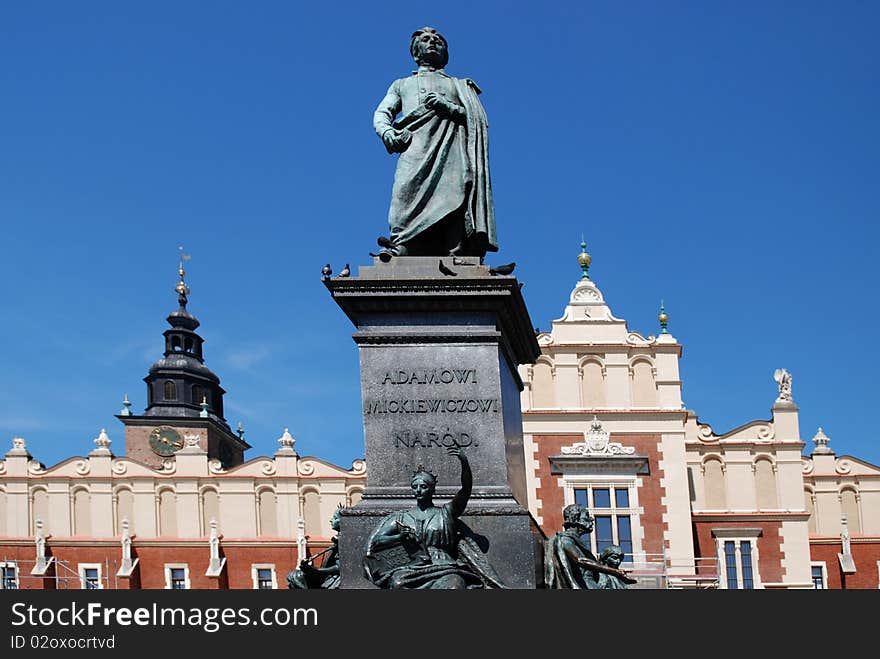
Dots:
{"x": 210, "y": 509}
{"x": 198, "y": 394}
{"x": 188, "y": 344}
{"x": 765, "y": 485}
{"x": 167, "y": 513}
{"x": 82, "y": 518}
{"x": 170, "y": 390}
{"x": 267, "y": 502}
{"x": 175, "y": 343}
{"x": 592, "y": 385}
{"x": 849, "y": 504}
{"x": 713, "y": 482}
{"x": 124, "y": 509}
{"x": 809, "y": 504}
{"x": 40, "y": 508}
{"x": 312, "y": 512}
{"x": 355, "y": 496}
{"x": 543, "y": 393}
{"x": 644, "y": 389}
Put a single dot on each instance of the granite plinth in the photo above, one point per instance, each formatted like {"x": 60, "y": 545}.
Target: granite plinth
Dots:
{"x": 439, "y": 343}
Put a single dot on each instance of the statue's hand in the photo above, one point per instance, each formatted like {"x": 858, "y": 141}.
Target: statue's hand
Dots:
{"x": 397, "y": 141}
{"x": 455, "y": 450}
{"x": 440, "y": 105}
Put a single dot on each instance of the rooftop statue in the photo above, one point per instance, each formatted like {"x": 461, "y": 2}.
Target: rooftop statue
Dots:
{"x": 307, "y": 576}
{"x": 429, "y": 547}
{"x": 441, "y": 202}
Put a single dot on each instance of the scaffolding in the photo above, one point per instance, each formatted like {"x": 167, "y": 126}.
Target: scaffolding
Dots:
{"x": 18, "y": 574}
{"x": 660, "y": 572}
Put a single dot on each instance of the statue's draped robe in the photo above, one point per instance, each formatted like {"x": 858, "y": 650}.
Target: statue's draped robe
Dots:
{"x": 445, "y": 170}
{"x": 449, "y": 550}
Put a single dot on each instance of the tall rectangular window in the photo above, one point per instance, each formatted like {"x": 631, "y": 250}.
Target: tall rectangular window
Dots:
{"x": 610, "y": 506}
{"x": 738, "y": 561}
{"x": 745, "y": 548}
{"x": 263, "y": 576}
{"x": 818, "y": 574}
{"x": 730, "y": 563}
{"x": 90, "y": 576}
{"x": 177, "y": 577}
{"x": 8, "y": 576}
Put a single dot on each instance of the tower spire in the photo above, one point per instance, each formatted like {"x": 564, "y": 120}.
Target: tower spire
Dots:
{"x": 181, "y": 288}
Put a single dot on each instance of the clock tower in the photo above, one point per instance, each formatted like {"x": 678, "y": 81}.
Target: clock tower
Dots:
{"x": 184, "y": 399}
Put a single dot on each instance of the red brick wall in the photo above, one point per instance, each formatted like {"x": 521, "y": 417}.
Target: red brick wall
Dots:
{"x": 865, "y": 555}
{"x": 769, "y": 544}
{"x": 650, "y": 494}
{"x": 150, "y": 570}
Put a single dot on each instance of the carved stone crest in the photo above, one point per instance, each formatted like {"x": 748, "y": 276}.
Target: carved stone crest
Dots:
{"x": 596, "y": 443}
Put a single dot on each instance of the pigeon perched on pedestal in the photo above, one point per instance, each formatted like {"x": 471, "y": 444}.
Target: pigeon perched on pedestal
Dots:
{"x": 345, "y": 272}
{"x": 326, "y": 271}
{"x": 502, "y": 269}
{"x": 446, "y": 270}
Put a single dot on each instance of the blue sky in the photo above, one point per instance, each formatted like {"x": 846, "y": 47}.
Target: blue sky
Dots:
{"x": 721, "y": 156}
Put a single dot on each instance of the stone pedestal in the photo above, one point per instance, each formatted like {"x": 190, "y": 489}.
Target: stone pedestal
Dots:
{"x": 438, "y": 357}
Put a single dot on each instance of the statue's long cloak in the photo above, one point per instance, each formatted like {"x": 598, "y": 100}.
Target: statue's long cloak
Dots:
{"x": 445, "y": 171}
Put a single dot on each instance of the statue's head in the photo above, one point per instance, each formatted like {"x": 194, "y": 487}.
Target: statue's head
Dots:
{"x": 428, "y": 46}
{"x": 423, "y": 483}
{"x": 612, "y": 555}
{"x": 334, "y": 521}
{"x": 578, "y": 517}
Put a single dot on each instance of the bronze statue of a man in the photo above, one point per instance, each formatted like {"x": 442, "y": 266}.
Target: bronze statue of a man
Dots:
{"x": 567, "y": 557}
{"x": 569, "y": 563}
{"x": 441, "y": 202}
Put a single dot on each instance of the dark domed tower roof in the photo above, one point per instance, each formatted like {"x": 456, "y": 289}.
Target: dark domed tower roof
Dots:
{"x": 179, "y": 383}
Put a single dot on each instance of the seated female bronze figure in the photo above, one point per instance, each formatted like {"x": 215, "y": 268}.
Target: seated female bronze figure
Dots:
{"x": 429, "y": 546}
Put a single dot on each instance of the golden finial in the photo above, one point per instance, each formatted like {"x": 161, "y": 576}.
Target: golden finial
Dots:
{"x": 663, "y": 317}
{"x": 182, "y": 289}
{"x": 584, "y": 259}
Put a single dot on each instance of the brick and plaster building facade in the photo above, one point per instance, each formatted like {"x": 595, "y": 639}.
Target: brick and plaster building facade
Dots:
{"x": 605, "y": 425}
{"x": 182, "y": 508}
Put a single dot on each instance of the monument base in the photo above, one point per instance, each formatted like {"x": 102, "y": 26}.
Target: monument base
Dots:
{"x": 440, "y": 340}
{"x": 510, "y": 538}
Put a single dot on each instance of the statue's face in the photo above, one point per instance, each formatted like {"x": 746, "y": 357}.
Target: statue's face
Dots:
{"x": 586, "y": 521}
{"x": 334, "y": 521}
{"x": 430, "y": 49}
{"x": 422, "y": 488}
{"x": 614, "y": 560}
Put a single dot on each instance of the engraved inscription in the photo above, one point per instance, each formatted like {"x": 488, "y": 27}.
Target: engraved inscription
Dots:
{"x": 427, "y": 439}
{"x": 431, "y": 376}
{"x": 455, "y": 394}
{"x": 431, "y": 405}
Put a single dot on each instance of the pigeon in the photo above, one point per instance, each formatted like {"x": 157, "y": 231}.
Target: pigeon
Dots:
{"x": 502, "y": 269}
{"x": 326, "y": 271}
{"x": 346, "y": 271}
{"x": 447, "y": 271}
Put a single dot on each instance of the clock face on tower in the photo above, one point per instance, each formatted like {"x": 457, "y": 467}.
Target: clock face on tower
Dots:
{"x": 165, "y": 441}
